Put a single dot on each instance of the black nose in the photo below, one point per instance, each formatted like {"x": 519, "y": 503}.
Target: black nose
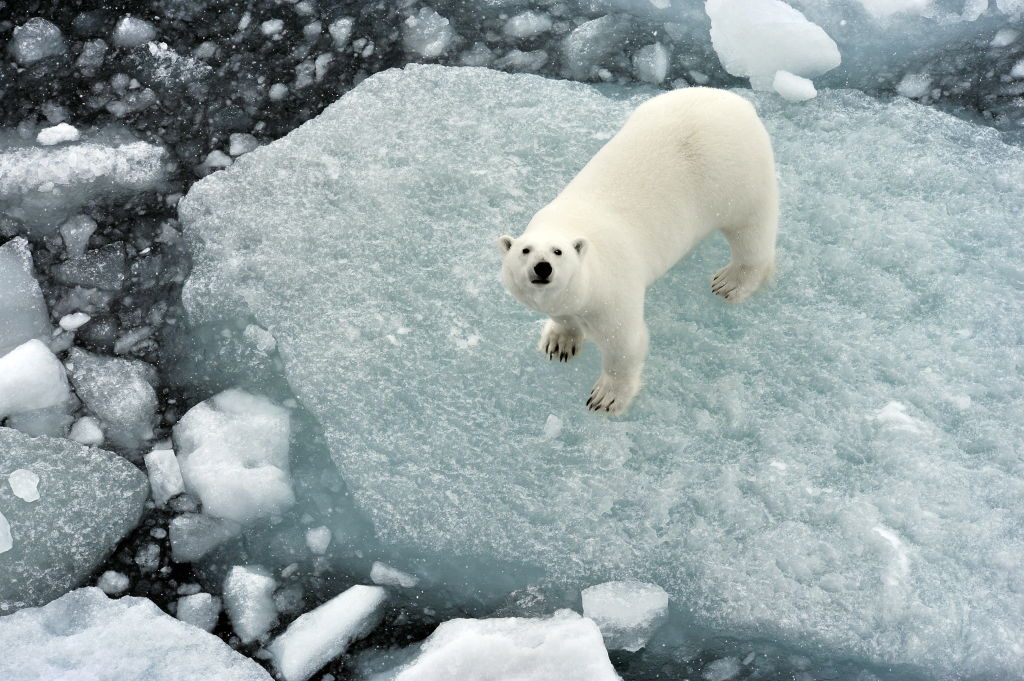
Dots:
{"x": 542, "y": 270}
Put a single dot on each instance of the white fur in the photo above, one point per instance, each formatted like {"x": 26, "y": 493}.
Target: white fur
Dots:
{"x": 686, "y": 163}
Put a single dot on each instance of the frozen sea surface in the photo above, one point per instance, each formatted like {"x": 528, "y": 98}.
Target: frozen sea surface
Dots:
{"x": 832, "y": 465}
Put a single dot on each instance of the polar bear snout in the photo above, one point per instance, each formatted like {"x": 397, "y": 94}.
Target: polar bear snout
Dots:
{"x": 541, "y": 273}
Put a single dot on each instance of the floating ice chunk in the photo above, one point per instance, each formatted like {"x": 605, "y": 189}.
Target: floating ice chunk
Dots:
{"x": 132, "y": 32}
{"x": 894, "y": 417}
{"x": 193, "y": 535}
{"x": 62, "y": 132}
{"x": 277, "y": 92}
{"x": 880, "y": 9}
{"x": 164, "y": 475}
{"x": 42, "y": 186}
{"x": 249, "y": 601}
{"x": 90, "y": 499}
{"x": 564, "y": 646}
{"x": 31, "y": 377}
{"x": 478, "y": 55}
{"x": 87, "y": 431}
{"x": 590, "y": 44}
{"x": 793, "y": 87}
{"x": 76, "y": 232}
{"x": 651, "y": 62}
{"x": 113, "y": 583}
{"x": 24, "y": 483}
{"x": 1018, "y": 70}
{"x": 722, "y": 669}
{"x": 85, "y": 635}
{"x": 517, "y": 60}
{"x": 217, "y": 159}
{"x": 147, "y": 558}
{"x": 341, "y": 30}
{"x": 427, "y": 34}
{"x": 92, "y": 56}
{"x": 1004, "y": 37}
{"x": 272, "y": 27}
{"x": 757, "y": 38}
{"x": 6, "y": 540}
{"x": 260, "y": 338}
{"x": 71, "y": 322}
{"x": 119, "y": 392}
{"x": 527, "y": 24}
{"x": 322, "y": 634}
{"x": 105, "y": 268}
{"x": 715, "y": 527}
{"x": 322, "y": 65}
{"x": 22, "y": 308}
{"x": 200, "y": 610}
{"x": 552, "y": 427}
{"x": 36, "y": 39}
{"x": 627, "y": 613}
{"x": 318, "y": 539}
{"x": 915, "y": 85}
{"x": 385, "y": 575}
{"x": 242, "y": 143}
{"x": 233, "y": 452}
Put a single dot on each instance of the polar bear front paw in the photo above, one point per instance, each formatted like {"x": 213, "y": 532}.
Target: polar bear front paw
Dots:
{"x": 611, "y": 395}
{"x": 735, "y": 283}
{"x": 558, "y": 343}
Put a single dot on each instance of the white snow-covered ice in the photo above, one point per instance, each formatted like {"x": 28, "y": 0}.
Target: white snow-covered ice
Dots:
{"x": 895, "y": 284}
{"x": 249, "y": 601}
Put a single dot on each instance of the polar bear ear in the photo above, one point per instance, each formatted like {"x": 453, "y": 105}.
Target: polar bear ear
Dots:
{"x": 504, "y": 243}
{"x": 581, "y": 246}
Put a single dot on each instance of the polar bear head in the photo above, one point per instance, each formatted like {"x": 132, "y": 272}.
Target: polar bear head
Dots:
{"x": 542, "y": 270}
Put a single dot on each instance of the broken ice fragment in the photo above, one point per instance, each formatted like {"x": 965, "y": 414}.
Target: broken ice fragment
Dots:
{"x": 6, "y": 541}
{"x": 24, "y": 484}
{"x": 322, "y": 634}
{"x": 249, "y": 600}
{"x": 31, "y": 377}
{"x": 164, "y": 475}
{"x": 200, "y": 610}
{"x": 62, "y": 132}
{"x": 132, "y": 32}
{"x": 792, "y": 87}
{"x": 317, "y": 539}
{"x": 385, "y": 575}
{"x": 627, "y": 613}
{"x": 36, "y": 39}
{"x": 113, "y": 583}
{"x": 193, "y": 535}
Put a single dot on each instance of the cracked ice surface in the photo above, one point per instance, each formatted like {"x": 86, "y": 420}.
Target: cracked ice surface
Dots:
{"x": 830, "y": 464}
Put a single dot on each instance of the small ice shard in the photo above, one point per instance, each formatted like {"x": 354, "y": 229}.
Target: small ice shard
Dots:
{"x": 242, "y": 143}
{"x": 651, "y": 63}
{"x": 62, "y": 132}
{"x": 627, "y": 613}
{"x": 757, "y": 38}
{"x": 132, "y": 32}
{"x": 272, "y": 27}
{"x": 915, "y": 85}
{"x": 31, "y": 377}
{"x": 590, "y": 44}
{"x": 6, "y": 540}
{"x": 564, "y": 646}
{"x": 164, "y": 475}
{"x": 193, "y": 535}
{"x": 341, "y": 30}
{"x": 71, "y": 322}
{"x": 200, "y": 610}
{"x": 427, "y": 34}
{"x": 113, "y": 583}
{"x": 87, "y": 431}
{"x": 322, "y": 634}
{"x": 36, "y": 39}
{"x": 24, "y": 483}
{"x": 792, "y": 87}
{"x": 233, "y": 453}
{"x": 76, "y": 232}
{"x": 385, "y": 575}
{"x": 318, "y": 539}
{"x": 527, "y": 24}
{"x": 249, "y": 601}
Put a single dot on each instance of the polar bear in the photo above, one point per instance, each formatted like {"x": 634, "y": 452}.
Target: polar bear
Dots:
{"x": 685, "y": 163}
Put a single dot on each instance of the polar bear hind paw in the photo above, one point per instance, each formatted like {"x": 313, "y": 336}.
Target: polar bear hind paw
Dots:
{"x": 735, "y": 283}
{"x": 612, "y": 397}
{"x": 557, "y": 343}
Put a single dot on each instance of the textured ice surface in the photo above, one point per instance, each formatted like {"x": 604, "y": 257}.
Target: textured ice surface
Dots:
{"x": 42, "y": 186}
{"x": 757, "y": 38}
{"x": 31, "y": 378}
{"x": 36, "y": 39}
{"x": 627, "y": 613}
{"x": 22, "y": 308}
{"x": 564, "y": 646}
{"x": 193, "y": 535}
{"x": 89, "y": 499}
{"x": 117, "y": 391}
{"x": 249, "y": 600}
{"x": 233, "y": 452}
{"x": 86, "y": 636}
{"x": 751, "y": 479}
{"x": 320, "y": 635}
{"x": 200, "y": 610}
{"x": 132, "y": 32}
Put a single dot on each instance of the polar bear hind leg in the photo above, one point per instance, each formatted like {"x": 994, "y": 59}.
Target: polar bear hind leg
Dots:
{"x": 561, "y": 339}
{"x": 752, "y": 262}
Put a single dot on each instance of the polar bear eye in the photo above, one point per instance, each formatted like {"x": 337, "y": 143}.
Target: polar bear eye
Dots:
{"x": 525, "y": 251}
{"x": 558, "y": 251}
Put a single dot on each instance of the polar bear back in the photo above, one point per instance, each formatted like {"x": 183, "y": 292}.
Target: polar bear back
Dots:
{"x": 685, "y": 163}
